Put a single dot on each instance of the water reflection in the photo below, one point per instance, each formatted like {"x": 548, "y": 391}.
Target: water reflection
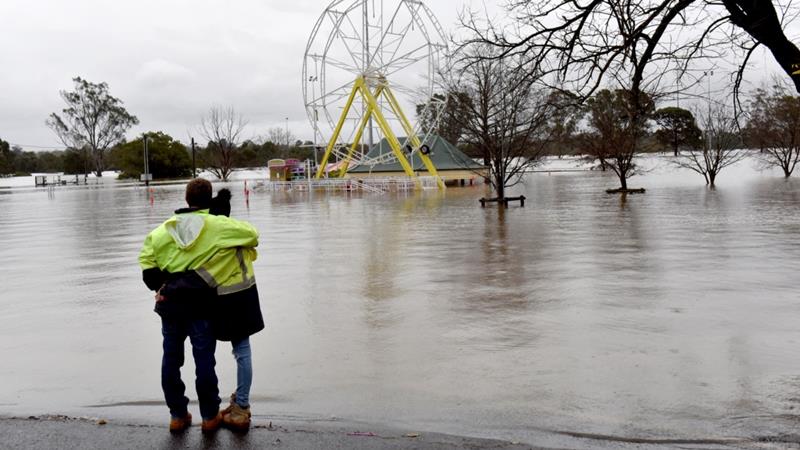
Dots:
{"x": 668, "y": 313}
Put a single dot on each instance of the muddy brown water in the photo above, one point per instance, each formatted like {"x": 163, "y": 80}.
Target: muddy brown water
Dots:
{"x": 669, "y": 315}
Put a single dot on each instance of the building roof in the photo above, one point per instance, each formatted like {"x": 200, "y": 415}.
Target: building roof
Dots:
{"x": 444, "y": 155}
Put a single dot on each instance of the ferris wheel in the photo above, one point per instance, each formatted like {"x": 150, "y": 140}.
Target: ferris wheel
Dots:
{"x": 366, "y": 64}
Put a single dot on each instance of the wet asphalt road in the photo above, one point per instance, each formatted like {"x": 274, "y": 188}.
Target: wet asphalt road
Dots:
{"x": 69, "y": 433}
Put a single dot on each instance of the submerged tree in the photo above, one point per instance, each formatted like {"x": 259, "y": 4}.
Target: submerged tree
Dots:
{"x": 93, "y": 120}
{"x": 774, "y": 125}
{"x": 505, "y": 115}
{"x": 222, "y": 128}
{"x": 722, "y": 146}
{"x": 617, "y": 122}
{"x": 677, "y": 128}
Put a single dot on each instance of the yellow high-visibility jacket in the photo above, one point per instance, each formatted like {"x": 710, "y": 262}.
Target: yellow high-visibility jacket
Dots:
{"x": 220, "y": 249}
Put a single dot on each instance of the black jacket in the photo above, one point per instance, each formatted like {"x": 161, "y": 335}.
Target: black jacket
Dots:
{"x": 232, "y": 316}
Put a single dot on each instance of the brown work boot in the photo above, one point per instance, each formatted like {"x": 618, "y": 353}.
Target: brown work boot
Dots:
{"x": 236, "y": 417}
{"x": 179, "y": 424}
{"x": 212, "y": 425}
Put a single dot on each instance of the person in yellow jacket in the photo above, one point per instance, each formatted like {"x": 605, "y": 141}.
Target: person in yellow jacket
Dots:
{"x": 190, "y": 240}
{"x": 235, "y": 312}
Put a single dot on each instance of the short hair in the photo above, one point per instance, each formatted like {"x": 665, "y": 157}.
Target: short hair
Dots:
{"x": 198, "y": 193}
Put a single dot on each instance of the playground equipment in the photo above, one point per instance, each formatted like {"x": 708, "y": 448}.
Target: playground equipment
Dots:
{"x": 365, "y": 64}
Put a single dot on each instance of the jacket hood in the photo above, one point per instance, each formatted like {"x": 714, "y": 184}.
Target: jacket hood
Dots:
{"x": 185, "y": 228}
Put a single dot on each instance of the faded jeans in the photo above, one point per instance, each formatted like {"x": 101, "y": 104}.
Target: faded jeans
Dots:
{"x": 244, "y": 371}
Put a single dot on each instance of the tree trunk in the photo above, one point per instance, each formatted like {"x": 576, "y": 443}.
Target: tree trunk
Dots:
{"x": 99, "y": 164}
{"x": 623, "y": 181}
{"x": 500, "y": 188}
{"x": 711, "y": 177}
{"x": 760, "y": 20}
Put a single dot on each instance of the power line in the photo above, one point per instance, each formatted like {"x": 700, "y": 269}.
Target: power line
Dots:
{"x": 43, "y": 147}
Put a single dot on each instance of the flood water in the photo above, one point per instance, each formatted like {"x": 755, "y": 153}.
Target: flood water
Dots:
{"x": 669, "y": 315}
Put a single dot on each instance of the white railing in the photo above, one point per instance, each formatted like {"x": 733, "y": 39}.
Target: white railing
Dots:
{"x": 370, "y": 185}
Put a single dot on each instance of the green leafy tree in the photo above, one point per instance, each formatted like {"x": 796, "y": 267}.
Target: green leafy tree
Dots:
{"x": 93, "y": 120}
{"x": 75, "y": 161}
{"x": 6, "y": 167}
{"x": 247, "y": 156}
{"x": 50, "y": 161}
{"x": 24, "y": 163}
{"x": 167, "y": 157}
{"x": 677, "y": 128}
{"x": 774, "y": 126}
{"x": 567, "y": 113}
{"x": 617, "y": 123}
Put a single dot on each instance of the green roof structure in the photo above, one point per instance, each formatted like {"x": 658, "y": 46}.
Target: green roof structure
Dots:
{"x": 444, "y": 155}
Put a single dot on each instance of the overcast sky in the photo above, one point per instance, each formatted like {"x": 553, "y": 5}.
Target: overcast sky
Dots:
{"x": 168, "y": 60}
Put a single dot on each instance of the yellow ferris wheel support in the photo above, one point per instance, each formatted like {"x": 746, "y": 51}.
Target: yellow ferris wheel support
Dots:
{"x": 374, "y": 111}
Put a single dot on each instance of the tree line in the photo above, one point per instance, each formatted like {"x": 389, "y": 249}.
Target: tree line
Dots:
{"x": 168, "y": 158}
{"x": 496, "y": 114}
{"x": 93, "y": 126}
{"x": 493, "y": 111}
{"x": 601, "y": 67}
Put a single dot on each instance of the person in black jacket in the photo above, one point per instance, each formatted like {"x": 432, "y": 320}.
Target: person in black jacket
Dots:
{"x": 234, "y": 317}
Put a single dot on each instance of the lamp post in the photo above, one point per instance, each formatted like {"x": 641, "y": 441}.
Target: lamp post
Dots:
{"x": 708, "y": 74}
{"x": 287, "y": 134}
{"x": 313, "y": 79}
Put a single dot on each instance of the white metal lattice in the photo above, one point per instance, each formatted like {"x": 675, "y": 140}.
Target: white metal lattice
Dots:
{"x": 397, "y": 40}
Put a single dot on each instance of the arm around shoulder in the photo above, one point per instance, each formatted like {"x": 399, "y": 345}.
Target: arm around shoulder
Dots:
{"x": 238, "y": 233}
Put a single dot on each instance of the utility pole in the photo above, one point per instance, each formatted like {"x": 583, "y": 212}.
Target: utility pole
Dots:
{"x": 146, "y": 162}
{"x": 194, "y": 165}
{"x": 287, "y": 134}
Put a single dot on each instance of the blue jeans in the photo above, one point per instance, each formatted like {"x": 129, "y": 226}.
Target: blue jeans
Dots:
{"x": 175, "y": 333}
{"x": 244, "y": 371}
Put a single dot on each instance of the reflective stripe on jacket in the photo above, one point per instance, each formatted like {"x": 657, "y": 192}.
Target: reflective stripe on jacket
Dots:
{"x": 230, "y": 270}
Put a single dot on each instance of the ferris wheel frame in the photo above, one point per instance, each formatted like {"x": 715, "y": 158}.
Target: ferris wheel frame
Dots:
{"x": 369, "y": 63}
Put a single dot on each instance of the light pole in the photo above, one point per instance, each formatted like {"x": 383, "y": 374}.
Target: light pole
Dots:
{"x": 708, "y": 74}
{"x": 313, "y": 79}
{"x": 287, "y": 134}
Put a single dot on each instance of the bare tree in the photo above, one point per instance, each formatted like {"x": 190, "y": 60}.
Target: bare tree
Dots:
{"x": 93, "y": 121}
{"x": 587, "y": 44}
{"x": 722, "y": 145}
{"x": 505, "y": 115}
{"x": 222, "y": 128}
{"x": 774, "y": 125}
{"x": 281, "y": 137}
